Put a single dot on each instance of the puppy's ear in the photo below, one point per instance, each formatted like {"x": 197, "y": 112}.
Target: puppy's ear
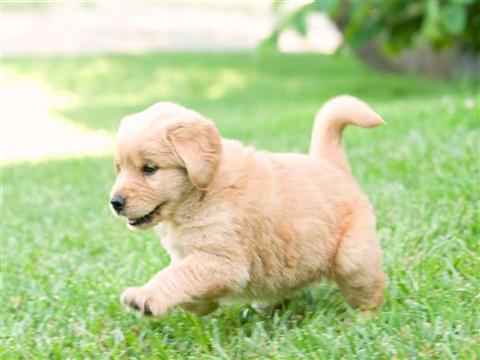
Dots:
{"x": 198, "y": 145}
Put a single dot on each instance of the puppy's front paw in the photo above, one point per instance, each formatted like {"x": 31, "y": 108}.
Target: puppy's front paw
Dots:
{"x": 144, "y": 300}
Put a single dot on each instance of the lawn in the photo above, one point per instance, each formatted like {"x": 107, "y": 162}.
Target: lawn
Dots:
{"x": 65, "y": 259}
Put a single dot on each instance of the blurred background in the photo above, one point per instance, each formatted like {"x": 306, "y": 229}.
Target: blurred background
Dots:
{"x": 431, "y": 38}
{"x": 261, "y": 70}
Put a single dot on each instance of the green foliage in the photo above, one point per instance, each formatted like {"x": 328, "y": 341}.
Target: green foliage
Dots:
{"x": 440, "y": 23}
{"x": 65, "y": 259}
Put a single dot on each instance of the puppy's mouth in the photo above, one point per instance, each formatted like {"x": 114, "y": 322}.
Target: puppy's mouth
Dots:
{"x": 145, "y": 219}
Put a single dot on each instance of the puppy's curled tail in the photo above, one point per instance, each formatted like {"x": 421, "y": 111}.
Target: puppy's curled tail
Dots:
{"x": 330, "y": 121}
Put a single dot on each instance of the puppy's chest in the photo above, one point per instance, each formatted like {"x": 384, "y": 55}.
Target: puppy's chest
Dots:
{"x": 173, "y": 241}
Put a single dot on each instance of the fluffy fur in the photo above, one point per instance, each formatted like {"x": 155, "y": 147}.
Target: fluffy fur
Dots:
{"x": 246, "y": 225}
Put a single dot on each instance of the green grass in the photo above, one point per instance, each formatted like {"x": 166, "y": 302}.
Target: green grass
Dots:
{"x": 65, "y": 260}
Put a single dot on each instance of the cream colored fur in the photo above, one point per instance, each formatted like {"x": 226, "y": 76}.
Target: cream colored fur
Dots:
{"x": 247, "y": 225}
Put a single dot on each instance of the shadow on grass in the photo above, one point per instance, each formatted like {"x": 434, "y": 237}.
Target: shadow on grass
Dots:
{"x": 263, "y": 88}
{"x": 303, "y": 308}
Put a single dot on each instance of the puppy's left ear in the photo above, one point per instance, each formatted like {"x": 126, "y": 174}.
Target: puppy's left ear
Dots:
{"x": 198, "y": 145}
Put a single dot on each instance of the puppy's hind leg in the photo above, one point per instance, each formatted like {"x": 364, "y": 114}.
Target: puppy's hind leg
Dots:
{"x": 357, "y": 265}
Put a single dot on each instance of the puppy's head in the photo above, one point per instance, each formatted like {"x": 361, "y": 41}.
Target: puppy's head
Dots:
{"x": 163, "y": 155}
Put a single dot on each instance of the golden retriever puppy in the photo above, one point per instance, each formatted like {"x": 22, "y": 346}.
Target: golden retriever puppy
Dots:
{"x": 240, "y": 224}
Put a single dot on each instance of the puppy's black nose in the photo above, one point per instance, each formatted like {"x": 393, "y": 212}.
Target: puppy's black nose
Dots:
{"x": 117, "y": 203}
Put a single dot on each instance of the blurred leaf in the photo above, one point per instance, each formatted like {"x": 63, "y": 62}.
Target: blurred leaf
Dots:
{"x": 299, "y": 19}
{"x": 401, "y": 34}
{"x": 431, "y": 24}
{"x": 439, "y": 23}
{"x": 270, "y": 43}
{"x": 324, "y": 5}
{"x": 453, "y": 18}
{"x": 462, "y": 2}
{"x": 358, "y": 28}
{"x": 366, "y": 32}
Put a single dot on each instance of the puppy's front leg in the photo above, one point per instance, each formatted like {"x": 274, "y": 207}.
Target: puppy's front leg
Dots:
{"x": 197, "y": 277}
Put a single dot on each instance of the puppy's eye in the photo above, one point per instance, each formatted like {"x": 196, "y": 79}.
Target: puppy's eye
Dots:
{"x": 149, "y": 169}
